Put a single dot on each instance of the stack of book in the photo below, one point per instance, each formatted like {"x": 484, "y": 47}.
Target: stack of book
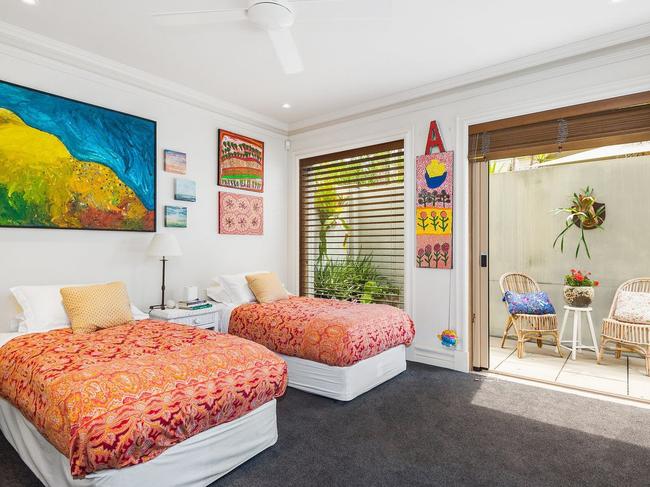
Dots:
{"x": 194, "y": 305}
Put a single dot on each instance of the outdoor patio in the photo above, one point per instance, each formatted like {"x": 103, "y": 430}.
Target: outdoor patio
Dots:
{"x": 580, "y": 261}
{"x": 625, "y": 376}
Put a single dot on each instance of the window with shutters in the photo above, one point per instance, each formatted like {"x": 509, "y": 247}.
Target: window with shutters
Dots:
{"x": 352, "y": 225}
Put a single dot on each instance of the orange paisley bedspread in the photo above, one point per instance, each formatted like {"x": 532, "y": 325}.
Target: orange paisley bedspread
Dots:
{"x": 323, "y": 330}
{"x": 121, "y": 396}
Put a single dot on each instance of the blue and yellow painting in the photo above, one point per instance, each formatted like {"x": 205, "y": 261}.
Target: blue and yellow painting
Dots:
{"x": 68, "y": 164}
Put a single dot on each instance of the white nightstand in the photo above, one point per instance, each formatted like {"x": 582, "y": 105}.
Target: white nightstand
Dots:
{"x": 207, "y": 318}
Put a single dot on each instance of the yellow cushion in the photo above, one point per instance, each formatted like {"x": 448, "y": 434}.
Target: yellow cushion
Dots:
{"x": 97, "y": 307}
{"x": 266, "y": 287}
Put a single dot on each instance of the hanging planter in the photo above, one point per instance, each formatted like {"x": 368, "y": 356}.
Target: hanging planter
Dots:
{"x": 584, "y": 214}
{"x": 595, "y": 221}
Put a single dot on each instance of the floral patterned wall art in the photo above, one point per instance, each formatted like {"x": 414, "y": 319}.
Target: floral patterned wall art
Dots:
{"x": 434, "y": 210}
{"x": 240, "y": 214}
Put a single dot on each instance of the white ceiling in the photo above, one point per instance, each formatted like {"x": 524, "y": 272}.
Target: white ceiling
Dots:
{"x": 403, "y": 45}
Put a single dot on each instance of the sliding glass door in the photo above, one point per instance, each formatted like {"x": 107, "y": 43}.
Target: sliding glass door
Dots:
{"x": 558, "y": 246}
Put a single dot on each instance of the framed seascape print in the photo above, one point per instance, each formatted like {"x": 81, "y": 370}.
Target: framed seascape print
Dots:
{"x": 240, "y": 214}
{"x": 175, "y": 162}
{"x": 184, "y": 190}
{"x": 240, "y": 161}
{"x": 71, "y": 165}
{"x": 176, "y": 216}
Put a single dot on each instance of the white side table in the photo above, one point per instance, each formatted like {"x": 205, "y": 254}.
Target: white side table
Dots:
{"x": 207, "y": 318}
{"x": 576, "y": 340}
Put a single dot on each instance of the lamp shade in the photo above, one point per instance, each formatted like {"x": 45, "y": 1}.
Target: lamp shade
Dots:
{"x": 164, "y": 245}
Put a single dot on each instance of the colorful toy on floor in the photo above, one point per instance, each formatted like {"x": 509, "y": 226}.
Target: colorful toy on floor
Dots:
{"x": 448, "y": 338}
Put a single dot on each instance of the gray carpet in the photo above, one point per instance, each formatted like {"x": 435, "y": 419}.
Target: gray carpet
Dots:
{"x": 431, "y": 426}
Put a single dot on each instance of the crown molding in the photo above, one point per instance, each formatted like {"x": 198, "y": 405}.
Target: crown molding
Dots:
{"x": 616, "y": 46}
{"x": 30, "y": 42}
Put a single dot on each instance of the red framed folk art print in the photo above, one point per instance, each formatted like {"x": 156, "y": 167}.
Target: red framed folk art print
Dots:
{"x": 240, "y": 162}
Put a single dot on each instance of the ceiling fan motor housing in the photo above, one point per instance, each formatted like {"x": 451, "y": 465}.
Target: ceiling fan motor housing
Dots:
{"x": 270, "y": 14}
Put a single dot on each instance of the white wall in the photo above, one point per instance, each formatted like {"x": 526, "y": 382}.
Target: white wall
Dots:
{"x": 33, "y": 256}
{"x": 439, "y": 298}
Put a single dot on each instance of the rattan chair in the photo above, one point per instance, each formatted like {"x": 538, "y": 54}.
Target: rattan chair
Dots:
{"x": 527, "y": 327}
{"x": 631, "y": 336}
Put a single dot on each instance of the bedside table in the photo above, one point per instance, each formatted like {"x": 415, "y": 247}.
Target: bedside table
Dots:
{"x": 207, "y": 318}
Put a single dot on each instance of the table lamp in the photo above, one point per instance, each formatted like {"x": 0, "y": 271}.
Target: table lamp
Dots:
{"x": 163, "y": 245}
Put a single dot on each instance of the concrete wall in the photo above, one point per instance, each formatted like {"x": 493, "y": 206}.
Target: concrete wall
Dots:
{"x": 523, "y": 228}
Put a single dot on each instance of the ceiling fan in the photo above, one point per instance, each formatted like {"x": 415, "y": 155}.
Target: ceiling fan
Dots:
{"x": 274, "y": 16}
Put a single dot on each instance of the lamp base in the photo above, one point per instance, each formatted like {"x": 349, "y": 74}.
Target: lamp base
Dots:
{"x": 162, "y": 288}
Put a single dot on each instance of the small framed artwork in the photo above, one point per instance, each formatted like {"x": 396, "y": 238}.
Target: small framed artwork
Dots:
{"x": 240, "y": 214}
{"x": 184, "y": 190}
{"x": 240, "y": 162}
{"x": 175, "y": 162}
{"x": 176, "y": 216}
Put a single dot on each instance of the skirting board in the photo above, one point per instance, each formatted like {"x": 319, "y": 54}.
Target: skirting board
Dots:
{"x": 432, "y": 357}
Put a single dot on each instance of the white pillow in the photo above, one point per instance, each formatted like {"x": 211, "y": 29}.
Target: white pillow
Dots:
{"x": 218, "y": 293}
{"x": 236, "y": 287}
{"x": 138, "y": 314}
{"x": 16, "y": 323}
{"x": 633, "y": 307}
{"x": 43, "y": 308}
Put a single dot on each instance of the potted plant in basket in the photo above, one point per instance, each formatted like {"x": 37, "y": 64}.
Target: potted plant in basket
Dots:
{"x": 579, "y": 288}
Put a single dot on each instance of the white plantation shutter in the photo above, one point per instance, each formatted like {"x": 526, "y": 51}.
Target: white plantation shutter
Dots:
{"x": 352, "y": 225}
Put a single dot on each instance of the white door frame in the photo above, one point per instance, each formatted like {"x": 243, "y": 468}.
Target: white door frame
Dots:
{"x": 463, "y": 122}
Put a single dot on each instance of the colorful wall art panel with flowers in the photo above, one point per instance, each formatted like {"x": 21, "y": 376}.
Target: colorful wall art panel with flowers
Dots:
{"x": 240, "y": 214}
{"x": 434, "y": 213}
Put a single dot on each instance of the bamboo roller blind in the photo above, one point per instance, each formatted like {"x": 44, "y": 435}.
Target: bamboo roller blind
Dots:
{"x": 614, "y": 121}
{"x": 352, "y": 224}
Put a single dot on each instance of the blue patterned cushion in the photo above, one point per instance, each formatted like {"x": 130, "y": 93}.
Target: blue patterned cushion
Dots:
{"x": 536, "y": 303}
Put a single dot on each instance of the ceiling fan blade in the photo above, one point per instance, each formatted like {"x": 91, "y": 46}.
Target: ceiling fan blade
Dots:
{"x": 200, "y": 17}
{"x": 286, "y": 50}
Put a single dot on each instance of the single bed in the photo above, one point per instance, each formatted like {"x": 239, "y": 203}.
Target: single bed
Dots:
{"x": 332, "y": 348}
{"x": 149, "y": 403}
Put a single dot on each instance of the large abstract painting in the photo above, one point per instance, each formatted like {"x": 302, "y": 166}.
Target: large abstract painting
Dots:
{"x": 240, "y": 214}
{"x": 241, "y": 162}
{"x": 68, "y": 164}
{"x": 434, "y": 213}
